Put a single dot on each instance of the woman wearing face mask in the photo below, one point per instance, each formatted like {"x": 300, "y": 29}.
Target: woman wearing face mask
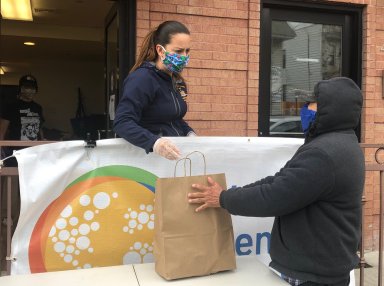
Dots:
{"x": 153, "y": 103}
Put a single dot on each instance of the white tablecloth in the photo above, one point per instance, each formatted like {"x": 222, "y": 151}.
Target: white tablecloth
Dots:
{"x": 123, "y": 275}
{"x": 249, "y": 272}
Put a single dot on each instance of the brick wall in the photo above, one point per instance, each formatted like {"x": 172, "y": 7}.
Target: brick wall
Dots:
{"x": 224, "y": 70}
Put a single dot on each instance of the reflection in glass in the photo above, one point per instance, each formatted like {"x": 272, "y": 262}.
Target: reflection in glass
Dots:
{"x": 112, "y": 54}
{"x": 302, "y": 54}
{"x": 112, "y": 74}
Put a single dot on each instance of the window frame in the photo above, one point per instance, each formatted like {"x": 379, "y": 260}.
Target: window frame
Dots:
{"x": 348, "y": 16}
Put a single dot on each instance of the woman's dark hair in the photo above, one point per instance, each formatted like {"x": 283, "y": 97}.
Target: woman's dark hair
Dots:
{"x": 160, "y": 36}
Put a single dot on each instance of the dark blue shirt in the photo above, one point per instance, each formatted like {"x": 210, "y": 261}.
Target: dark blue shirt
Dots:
{"x": 151, "y": 107}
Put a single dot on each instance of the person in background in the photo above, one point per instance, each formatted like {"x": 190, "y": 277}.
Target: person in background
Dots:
{"x": 153, "y": 103}
{"x": 315, "y": 197}
{"x": 23, "y": 119}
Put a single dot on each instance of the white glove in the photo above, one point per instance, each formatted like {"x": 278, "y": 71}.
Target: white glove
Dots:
{"x": 191, "y": 134}
{"x": 166, "y": 148}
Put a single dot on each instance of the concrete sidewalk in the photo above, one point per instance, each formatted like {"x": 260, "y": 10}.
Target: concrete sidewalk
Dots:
{"x": 370, "y": 274}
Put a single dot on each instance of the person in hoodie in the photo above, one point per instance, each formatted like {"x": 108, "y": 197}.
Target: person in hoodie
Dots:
{"x": 154, "y": 95}
{"x": 315, "y": 198}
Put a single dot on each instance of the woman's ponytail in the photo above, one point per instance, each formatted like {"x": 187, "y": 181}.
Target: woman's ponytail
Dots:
{"x": 147, "y": 51}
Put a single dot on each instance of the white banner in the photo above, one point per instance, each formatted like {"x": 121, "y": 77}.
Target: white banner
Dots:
{"x": 89, "y": 207}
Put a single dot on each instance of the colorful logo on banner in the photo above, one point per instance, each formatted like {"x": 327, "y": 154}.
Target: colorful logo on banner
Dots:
{"x": 103, "y": 218}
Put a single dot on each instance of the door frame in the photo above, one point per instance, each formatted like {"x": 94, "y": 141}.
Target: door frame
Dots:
{"x": 349, "y": 16}
{"x": 125, "y": 14}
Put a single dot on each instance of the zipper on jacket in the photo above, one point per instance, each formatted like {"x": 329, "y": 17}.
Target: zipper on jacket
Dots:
{"x": 176, "y": 103}
{"x": 175, "y": 129}
{"x": 178, "y": 110}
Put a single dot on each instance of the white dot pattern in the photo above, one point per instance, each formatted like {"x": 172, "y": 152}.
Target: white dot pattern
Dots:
{"x": 88, "y": 215}
{"x": 139, "y": 253}
{"x": 101, "y": 200}
{"x": 137, "y": 220}
{"x": 52, "y": 231}
{"x": 67, "y": 211}
{"x": 73, "y": 221}
{"x": 85, "y": 200}
{"x": 70, "y": 233}
{"x": 69, "y": 237}
{"x": 64, "y": 235}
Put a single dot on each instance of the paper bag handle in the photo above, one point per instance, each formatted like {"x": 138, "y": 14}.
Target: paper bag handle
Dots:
{"x": 185, "y": 167}
{"x": 205, "y": 163}
{"x": 190, "y": 163}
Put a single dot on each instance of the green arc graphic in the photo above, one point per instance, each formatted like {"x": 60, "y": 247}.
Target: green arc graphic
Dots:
{"x": 122, "y": 171}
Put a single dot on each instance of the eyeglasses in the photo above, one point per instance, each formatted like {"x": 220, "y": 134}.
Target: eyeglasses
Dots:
{"x": 28, "y": 93}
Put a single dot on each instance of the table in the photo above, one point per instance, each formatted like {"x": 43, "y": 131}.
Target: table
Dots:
{"x": 250, "y": 271}
{"x": 122, "y": 275}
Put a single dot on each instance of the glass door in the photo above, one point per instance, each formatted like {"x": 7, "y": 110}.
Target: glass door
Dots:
{"x": 112, "y": 73}
{"x": 300, "y": 48}
{"x": 120, "y": 47}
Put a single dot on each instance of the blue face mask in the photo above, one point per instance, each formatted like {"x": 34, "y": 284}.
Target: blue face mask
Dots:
{"x": 307, "y": 117}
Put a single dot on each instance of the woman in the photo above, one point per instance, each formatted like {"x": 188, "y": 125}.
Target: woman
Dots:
{"x": 153, "y": 102}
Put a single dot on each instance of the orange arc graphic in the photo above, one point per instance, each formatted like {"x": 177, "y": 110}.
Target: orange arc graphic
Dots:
{"x": 46, "y": 220}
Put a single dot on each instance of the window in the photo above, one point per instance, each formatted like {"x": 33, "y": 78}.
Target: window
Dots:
{"x": 301, "y": 44}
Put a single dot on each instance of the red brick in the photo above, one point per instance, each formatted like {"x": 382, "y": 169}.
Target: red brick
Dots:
{"x": 216, "y": 116}
{"x": 179, "y": 2}
{"x": 199, "y": 107}
{"x": 142, "y": 5}
{"x": 240, "y": 108}
{"x": 159, "y": 7}
{"x": 228, "y": 125}
{"x": 200, "y": 124}
{"x": 232, "y": 99}
{"x": 200, "y": 89}
{"x": 189, "y": 10}
{"x": 230, "y": 5}
{"x": 200, "y": 3}
{"x": 226, "y": 56}
{"x": 252, "y": 126}
{"x": 242, "y": 6}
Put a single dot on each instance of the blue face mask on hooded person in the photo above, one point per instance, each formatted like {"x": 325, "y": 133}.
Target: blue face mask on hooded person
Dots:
{"x": 307, "y": 117}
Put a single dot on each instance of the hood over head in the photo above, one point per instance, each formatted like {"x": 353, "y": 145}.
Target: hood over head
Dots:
{"x": 339, "y": 103}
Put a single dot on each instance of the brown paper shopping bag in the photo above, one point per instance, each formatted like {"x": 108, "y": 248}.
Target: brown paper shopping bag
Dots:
{"x": 187, "y": 243}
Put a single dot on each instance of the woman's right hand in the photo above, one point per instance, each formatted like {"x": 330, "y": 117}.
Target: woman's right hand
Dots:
{"x": 164, "y": 147}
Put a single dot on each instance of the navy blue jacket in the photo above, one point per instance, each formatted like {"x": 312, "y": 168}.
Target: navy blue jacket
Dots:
{"x": 316, "y": 197}
{"x": 151, "y": 107}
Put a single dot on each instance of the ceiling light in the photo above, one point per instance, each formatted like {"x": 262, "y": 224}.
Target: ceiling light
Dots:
{"x": 16, "y": 10}
{"x": 1, "y": 70}
{"x": 29, "y": 43}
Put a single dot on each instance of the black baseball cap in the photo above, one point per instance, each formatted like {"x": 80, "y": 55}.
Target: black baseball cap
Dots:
{"x": 28, "y": 81}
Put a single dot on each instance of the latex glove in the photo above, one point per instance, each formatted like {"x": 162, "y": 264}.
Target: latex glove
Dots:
{"x": 166, "y": 148}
